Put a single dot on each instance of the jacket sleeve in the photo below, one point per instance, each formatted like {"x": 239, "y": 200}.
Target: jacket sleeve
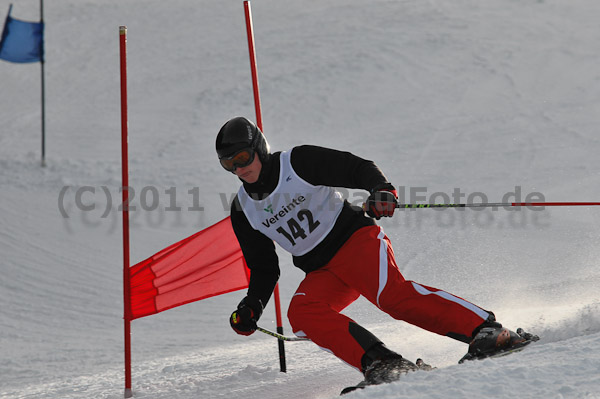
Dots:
{"x": 260, "y": 255}
{"x": 327, "y": 167}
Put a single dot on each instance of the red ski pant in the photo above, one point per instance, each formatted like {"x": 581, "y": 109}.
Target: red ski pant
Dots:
{"x": 365, "y": 265}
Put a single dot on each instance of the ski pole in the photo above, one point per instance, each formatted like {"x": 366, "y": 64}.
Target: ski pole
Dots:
{"x": 496, "y": 205}
{"x": 280, "y": 336}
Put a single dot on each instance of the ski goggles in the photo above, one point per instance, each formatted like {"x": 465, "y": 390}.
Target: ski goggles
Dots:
{"x": 239, "y": 159}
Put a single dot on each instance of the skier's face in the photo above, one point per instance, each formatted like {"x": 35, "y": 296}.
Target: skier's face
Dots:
{"x": 249, "y": 173}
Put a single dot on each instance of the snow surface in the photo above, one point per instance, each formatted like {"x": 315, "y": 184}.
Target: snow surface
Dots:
{"x": 488, "y": 97}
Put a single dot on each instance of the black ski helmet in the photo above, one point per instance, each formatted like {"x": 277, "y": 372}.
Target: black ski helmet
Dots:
{"x": 239, "y": 133}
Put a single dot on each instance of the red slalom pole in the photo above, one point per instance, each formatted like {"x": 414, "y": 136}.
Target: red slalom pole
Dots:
{"x": 253, "y": 70}
{"x": 125, "y": 192}
{"x": 253, "y": 67}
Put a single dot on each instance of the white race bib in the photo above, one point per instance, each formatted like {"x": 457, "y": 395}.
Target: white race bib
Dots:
{"x": 296, "y": 215}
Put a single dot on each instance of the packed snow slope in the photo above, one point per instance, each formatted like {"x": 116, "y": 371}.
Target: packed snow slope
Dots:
{"x": 468, "y": 99}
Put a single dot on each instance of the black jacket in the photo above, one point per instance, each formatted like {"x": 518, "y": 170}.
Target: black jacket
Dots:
{"x": 320, "y": 167}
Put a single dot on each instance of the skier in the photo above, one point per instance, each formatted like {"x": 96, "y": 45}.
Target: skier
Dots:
{"x": 289, "y": 197}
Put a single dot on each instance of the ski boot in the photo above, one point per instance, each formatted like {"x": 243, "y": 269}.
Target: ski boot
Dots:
{"x": 494, "y": 340}
{"x": 382, "y": 366}
{"x": 388, "y": 370}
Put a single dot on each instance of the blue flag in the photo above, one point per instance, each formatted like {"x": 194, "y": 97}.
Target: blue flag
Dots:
{"x": 22, "y": 41}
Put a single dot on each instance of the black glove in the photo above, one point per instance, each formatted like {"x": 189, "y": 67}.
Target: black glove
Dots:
{"x": 243, "y": 320}
{"x": 382, "y": 202}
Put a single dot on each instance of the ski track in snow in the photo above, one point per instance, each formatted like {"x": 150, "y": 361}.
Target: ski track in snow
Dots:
{"x": 487, "y": 97}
